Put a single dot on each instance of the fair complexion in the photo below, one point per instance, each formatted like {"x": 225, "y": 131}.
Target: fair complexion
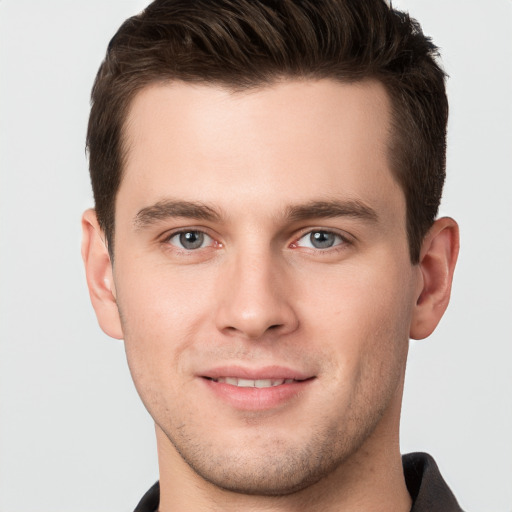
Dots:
{"x": 263, "y": 287}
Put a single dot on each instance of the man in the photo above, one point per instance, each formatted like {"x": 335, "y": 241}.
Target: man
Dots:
{"x": 267, "y": 176}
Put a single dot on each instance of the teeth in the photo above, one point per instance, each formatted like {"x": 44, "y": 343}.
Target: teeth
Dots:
{"x": 245, "y": 383}
{"x": 263, "y": 383}
{"x": 249, "y": 383}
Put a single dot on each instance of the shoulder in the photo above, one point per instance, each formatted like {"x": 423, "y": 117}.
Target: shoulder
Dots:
{"x": 426, "y": 486}
{"x": 150, "y": 500}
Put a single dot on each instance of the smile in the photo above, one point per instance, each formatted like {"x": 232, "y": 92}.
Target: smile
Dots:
{"x": 250, "y": 383}
{"x": 257, "y": 390}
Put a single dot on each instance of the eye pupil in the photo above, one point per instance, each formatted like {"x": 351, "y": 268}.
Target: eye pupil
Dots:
{"x": 322, "y": 239}
{"x": 191, "y": 239}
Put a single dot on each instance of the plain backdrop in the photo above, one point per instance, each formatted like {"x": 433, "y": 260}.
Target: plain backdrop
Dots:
{"x": 73, "y": 435}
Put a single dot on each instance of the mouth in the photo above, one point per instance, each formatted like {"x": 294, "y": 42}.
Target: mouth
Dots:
{"x": 257, "y": 390}
{"x": 253, "y": 383}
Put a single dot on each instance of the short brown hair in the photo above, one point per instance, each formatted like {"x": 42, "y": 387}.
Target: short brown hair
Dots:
{"x": 250, "y": 43}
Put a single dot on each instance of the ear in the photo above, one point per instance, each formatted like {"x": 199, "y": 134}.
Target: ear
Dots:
{"x": 438, "y": 256}
{"x": 98, "y": 270}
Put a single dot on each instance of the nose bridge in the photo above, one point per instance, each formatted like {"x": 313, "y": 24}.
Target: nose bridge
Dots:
{"x": 253, "y": 300}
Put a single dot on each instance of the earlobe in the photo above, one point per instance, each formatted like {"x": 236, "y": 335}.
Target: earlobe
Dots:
{"x": 98, "y": 270}
{"x": 438, "y": 257}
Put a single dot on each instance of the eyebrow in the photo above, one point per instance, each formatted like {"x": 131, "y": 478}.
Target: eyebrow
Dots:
{"x": 166, "y": 209}
{"x": 330, "y": 209}
{"x": 170, "y": 208}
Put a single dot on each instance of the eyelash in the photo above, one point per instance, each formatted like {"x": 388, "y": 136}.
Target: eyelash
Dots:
{"x": 340, "y": 242}
{"x": 202, "y": 233}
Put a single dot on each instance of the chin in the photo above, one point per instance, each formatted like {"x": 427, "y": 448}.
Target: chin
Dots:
{"x": 281, "y": 476}
{"x": 269, "y": 467}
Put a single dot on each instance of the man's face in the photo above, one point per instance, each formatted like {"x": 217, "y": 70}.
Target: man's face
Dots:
{"x": 263, "y": 278}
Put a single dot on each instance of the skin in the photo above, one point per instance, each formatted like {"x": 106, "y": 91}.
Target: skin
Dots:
{"x": 257, "y": 173}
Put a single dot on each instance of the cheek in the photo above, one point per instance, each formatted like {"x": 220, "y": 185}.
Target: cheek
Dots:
{"x": 160, "y": 301}
{"x": 364, "y": 312}
{"x": 161, "y": 314}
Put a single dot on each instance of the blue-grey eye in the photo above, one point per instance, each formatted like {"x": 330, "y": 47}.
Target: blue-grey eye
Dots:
{"x": 320, "y": 240}
{"x": 190, "y": 240}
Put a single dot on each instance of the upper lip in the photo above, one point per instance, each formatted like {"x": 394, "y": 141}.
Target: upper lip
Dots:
{"x": 267, "y": 372}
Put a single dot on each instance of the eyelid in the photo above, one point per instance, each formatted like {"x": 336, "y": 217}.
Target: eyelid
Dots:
{"x": 166, "y": 237}
{"x": 169, "y": 233}
{"x": 346, "y": 239}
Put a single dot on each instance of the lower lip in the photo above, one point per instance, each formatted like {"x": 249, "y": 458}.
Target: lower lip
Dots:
{"x": 257, "y": 399}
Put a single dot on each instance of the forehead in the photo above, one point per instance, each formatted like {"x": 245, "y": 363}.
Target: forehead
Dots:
{"x": 277, "y": 144}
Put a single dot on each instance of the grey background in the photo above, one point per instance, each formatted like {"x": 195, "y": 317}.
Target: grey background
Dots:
{"x": 73, "y": 435}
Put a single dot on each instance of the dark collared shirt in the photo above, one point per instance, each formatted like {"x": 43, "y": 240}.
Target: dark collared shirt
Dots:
{"x": 428, "y": 490}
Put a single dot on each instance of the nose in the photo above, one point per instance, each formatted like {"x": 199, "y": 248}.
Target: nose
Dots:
{"x": 254, "y": 300}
